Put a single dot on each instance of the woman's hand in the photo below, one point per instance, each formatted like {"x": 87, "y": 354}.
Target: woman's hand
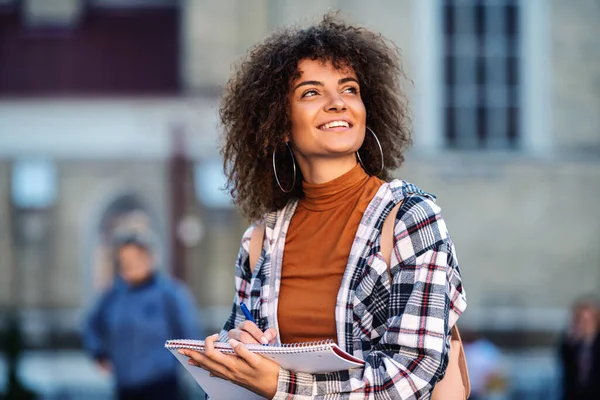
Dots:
{"x": 247, "y": 369}
{"x": 248, "y": 332}
{"x": 104, "y": 366}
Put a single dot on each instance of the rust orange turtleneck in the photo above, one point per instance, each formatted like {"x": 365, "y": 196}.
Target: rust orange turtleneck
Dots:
{"x": 316, "y": 252}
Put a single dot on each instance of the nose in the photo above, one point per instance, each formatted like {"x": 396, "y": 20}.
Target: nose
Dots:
{"x": 336, "y": 104}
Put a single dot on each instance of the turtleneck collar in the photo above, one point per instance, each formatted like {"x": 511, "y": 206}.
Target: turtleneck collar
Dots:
{"x": 328, "y": 195}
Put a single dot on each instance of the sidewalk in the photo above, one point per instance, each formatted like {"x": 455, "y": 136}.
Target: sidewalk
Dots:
{"x": 64, "y": 375}
{"x": 72, "y": 375}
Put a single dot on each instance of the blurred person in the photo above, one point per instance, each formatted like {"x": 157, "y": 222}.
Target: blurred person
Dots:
{"x": 315, "y": 122}
{"x": 580, "y": 352}
{"x": 486, "y": 366}
{"x": 126, "y": 330}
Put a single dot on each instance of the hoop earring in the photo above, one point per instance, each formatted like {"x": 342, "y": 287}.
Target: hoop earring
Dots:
{"x": 294, "y": 166}
{"x": 380, "y": 151}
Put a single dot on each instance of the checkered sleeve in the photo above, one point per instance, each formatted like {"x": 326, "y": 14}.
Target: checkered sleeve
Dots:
{"x": 242, "y": 285}
{"x": 425, "y": 299}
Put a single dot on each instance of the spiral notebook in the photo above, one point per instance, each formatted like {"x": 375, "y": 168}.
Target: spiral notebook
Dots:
{"x": 311, "y": 357}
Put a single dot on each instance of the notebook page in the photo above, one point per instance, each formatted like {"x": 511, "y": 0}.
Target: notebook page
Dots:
{"x": 215, "y": 388}
{"x": 307, "y": 357}
{"x": 302, "y": 357}
{"x": 324, "y": 360}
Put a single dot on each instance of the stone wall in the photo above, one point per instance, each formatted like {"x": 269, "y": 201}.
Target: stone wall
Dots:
{"x": 216, "y": 34}
{"x": 575, "y": 51}
{"x": 526, "y": 232}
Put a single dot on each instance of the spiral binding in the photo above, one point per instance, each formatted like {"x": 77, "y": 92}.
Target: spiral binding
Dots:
{"x": 307, "y": 344}
{"x": 288, "y": 348}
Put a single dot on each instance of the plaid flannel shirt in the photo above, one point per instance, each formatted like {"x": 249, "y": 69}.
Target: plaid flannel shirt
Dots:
{"x": 402, "y": 329}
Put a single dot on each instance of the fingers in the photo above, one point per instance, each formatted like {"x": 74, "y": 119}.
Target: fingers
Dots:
{"x": 196, "y": 358}
{"x": 271, "y": 335}
{"x": 254, "y": 331}
{"x": 242, "y": 336}
{"x": 245, "y": 337}
{"x": 213, "y": 367}
{"x": 242, "y": 352}
{"x": 215, "y": 375}
{"x": 209, "y": 344}
{"x": 244, "y": 367}
{"x": 211, "y": 360}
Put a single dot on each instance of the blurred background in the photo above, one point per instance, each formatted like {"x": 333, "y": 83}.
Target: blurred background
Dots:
{"x": 108, "y": 119}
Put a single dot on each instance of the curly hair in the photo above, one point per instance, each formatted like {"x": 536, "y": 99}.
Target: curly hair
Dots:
{"x": 254, "y": 110}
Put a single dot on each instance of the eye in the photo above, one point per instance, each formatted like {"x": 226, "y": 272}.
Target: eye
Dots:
{"x": 351, "y": 89}
{"x": 310, "y": 93}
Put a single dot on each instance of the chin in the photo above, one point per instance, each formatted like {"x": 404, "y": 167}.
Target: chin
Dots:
{"x": 342, "y": 145}
{"x": 344, "y": 149}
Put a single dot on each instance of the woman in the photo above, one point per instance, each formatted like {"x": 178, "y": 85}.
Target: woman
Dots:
{"x": 315, "y": 122}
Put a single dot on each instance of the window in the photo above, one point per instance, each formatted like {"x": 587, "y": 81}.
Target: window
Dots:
{"x": 99, "y": 50}
{"x": 481, "y": 40}
{"x": 34, "y": 184}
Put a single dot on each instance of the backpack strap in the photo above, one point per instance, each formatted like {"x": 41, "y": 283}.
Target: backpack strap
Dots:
{"x": 462, "y": 361}
{"x": 256, "y": 244}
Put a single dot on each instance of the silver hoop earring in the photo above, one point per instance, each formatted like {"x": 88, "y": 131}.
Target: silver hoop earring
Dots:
{"x": 287, "y": 144}
{"x": 380, "y": 151}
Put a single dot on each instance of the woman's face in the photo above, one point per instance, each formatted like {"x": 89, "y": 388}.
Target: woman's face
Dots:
{"x": 327, "y": 113}
{"x": 135, "y": 264}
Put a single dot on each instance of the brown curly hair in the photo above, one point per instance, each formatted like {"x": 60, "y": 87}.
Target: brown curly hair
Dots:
{"x": 254, "y": 108}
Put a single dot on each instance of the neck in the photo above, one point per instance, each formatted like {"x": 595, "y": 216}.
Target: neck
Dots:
{"x": 317, "y": 171}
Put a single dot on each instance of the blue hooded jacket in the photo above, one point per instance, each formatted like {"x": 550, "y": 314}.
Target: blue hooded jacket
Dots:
{"x": 129, "y": 325}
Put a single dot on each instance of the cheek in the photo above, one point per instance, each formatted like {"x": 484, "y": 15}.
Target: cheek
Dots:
{"x": 141, "y": 268}
{"x": 302, "y": 123}
{"x": 360, "y": 111}
{"x": 300, "y": 141}
{"x": 302, "y": 117}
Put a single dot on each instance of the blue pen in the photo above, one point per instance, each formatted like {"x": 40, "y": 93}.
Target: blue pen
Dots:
{"x": 249, "y": 316}
{"x": 247, "y": 312}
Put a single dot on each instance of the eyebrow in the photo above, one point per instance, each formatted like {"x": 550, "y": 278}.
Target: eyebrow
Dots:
{"x": 319, "y": 83}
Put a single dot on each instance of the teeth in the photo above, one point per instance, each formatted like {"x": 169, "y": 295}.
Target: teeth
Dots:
{"x": 333, "y": 124}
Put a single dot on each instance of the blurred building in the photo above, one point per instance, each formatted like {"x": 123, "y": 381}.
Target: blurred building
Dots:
{"x": 108, "y": 107}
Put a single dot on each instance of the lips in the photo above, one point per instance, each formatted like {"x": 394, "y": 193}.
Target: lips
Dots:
{"x": 340, "y": 124}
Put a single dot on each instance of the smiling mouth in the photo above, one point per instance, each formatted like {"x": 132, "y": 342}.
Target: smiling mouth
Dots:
{"x": 336, "y": 125}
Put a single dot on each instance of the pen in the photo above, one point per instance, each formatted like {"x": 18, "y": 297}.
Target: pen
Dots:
{"x": 247, "y": 312}
{"x": 249, "y": 317}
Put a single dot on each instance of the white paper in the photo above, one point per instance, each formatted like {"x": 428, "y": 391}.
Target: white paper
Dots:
{"x": 216, "y": 388}
{"x": 311, "y": 359}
